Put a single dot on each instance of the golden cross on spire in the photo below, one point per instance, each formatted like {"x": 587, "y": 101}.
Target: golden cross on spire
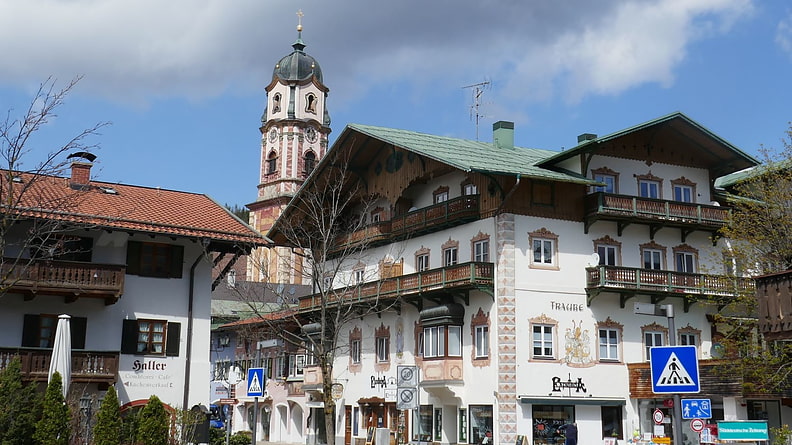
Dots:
{"x": 299, "y": 20}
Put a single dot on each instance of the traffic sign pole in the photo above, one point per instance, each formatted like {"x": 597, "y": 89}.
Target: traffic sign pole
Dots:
{"x": 677, "y": 418}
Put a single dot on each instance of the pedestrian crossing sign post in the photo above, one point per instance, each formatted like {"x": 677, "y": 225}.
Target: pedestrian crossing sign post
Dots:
{"x": 674, "y": 369}
{"x": 255, "y": 382}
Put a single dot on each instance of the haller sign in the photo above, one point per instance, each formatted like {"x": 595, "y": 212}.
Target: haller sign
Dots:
{"x": 559, "y": 385}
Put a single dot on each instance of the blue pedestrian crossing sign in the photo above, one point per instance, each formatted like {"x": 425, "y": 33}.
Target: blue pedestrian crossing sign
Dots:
{"x": 674, "y": 369}
{"x": 696, "y": 409}
{"x": 255, "y": 382}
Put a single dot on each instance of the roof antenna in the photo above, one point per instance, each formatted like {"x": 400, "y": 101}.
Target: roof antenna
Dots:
{"x": 478, "y": 90}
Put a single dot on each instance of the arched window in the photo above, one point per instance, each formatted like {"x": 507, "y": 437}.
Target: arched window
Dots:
{"x": 310, "y": 103}
{"x": 309, "y": 162}
{"x": 272, "y": 162}
{"x": 276, "y": 100}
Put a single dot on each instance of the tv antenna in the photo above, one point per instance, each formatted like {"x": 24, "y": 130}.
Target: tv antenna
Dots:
{"x": 478, "y": 90}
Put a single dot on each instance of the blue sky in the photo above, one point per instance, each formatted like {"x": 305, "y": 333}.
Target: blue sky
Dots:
{"x": 182, "y": 81}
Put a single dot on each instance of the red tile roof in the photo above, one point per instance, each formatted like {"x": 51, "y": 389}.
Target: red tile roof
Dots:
{"x": 126, "y": 207}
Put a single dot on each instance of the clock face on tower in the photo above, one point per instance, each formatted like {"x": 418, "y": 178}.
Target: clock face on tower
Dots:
{"x": 311, "y": 134}
{"x": 273, "y": 135}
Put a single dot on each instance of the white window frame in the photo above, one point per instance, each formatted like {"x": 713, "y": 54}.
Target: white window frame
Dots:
{"x": 354, "y": 351}
{"x": 651, "y": 339}
{"x": 442, "y": 341}
{"x": 608, "y": 180}
{"x": 608, "y": 344}
{"x": 543, "y": 338}
{"x": 382, "y": 349}
{"x": 685, "y": 262}
{"x": 482, "y": 341}
{"x": 649, "y": 187}
{"x": 688, "y": 339}
{"x": 683, "y": 193}
{"x": 654, "y": 255}
{"x": 470, "y": 189}
{"x": 422, "y": 262}
{"x": 481, "y": 251}
{"x": 608, "y": 254}
{"x": 441, "y": 197}
{"x": 450, "y": 256}
{"x": 360, "y": 275}
{"x": 543, "y": 251}
{"x": 296, "y": 365}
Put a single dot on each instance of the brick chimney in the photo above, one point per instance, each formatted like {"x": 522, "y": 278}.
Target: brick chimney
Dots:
{"x": 81, "y": 168}
{"x": 503, "y": 134}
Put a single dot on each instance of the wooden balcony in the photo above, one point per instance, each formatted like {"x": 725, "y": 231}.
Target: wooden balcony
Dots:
{"x": 87, "y": 366}
{"x": 462, "y": 276}
{"x": 629, "y": 281}
{"x": 71, "y": 279}
{"x": 428, "y": 219}
{"x": 656, "y": 213}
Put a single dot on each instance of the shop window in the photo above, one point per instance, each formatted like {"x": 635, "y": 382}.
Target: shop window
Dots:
{"x": 438, "y": 424}
{"x": 608, "y": 177}
{"x": 422, "y": 432}
{"x": 440, "y": 195}
{"x": 547, "y": 419}
{"x": 544, "y": 246}
{"x": 462, "y": 424}
{"x": 480, "y": 424}
{"x": 38, "y": 331}
{"x": 150, "y": 337}
{"x": 612, "y": 422}
{"x": 609, "y": 251}
{"x": 480, "y": 246}
{"x": 653, "y": 256}
{"x": 653, "y": 335}
{"x": 154, "y": 260}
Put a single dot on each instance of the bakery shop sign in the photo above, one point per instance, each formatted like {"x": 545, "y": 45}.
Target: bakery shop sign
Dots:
{"x": 560, "y": 385}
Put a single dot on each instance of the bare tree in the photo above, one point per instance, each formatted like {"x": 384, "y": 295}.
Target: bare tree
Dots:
{"x": 29, "y": 212}
{"x": 324, "y": 236}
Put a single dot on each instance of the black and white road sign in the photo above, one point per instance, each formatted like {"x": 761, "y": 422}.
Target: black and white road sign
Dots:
{"x": 407, "y": 398}
{"x": 407, "y": 376}
{"x": 674, "y": 369}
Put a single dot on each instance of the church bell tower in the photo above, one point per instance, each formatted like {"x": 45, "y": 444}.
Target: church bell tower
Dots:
{"x": 294, "y": 134}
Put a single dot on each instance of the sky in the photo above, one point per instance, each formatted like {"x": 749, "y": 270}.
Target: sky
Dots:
{"x": 182, "y": 82}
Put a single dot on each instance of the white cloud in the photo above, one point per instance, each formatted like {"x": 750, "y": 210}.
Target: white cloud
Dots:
{"x": 783, "y": 35}
{"x": 143, "y": 49}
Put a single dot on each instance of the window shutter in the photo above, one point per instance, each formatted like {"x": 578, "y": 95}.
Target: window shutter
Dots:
{"x": 177, "y": 261}
{"x": 133, "y": 258}
{"x": 129, "y": 333}
{"x": 30, "y": 331}
{"x": 78, "y": 325}
{"x": 172, "y": 341}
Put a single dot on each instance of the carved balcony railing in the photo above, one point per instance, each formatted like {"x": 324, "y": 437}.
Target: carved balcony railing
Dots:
{"x": 459, "y": 276}
{"x": 446, "y": 214}
{"x": 87, "y": 366}
{"x": 657, "y": 213}
{"x": 629, "y": 281}
{"x": 72, "y": 279}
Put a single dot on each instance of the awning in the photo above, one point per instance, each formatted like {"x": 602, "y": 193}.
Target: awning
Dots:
{"x": 600, "y": 401}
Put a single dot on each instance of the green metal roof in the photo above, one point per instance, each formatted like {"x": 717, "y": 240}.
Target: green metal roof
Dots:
{"x": 467, "y": 155}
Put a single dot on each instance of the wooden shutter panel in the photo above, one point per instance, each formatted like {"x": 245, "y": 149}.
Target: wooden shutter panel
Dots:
{"x": 172, "y": 341}
{"x": 177, "y": 261}
{"x": 133, "y": 258}
{"x": 30, "y": 331}
{"x": 129, "y": 333}
{"x": 78, "y": 325}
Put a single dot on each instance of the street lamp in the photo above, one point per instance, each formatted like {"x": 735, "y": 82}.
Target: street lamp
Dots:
{"x": 86, "y": 406}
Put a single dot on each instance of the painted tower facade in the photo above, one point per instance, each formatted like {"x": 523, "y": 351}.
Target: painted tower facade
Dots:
{"x": 294, "y": 135}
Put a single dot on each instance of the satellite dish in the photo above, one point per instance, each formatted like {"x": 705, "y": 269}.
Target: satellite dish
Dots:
{"x": 593, "y": 260}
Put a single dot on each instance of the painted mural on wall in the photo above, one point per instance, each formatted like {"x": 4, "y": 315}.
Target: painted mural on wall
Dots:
{"x": 577, "y": 348}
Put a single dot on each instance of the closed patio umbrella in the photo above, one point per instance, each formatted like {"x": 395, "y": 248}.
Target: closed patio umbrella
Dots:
{"x": 61, "y": 353}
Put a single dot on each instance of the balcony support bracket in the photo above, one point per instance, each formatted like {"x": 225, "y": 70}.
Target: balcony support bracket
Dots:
{"x": 657, "y": 298}
{"x": 653, "y": 230}
{"x": 623, "y": 297}
{"x": 687, "y": 302}
{"x": 620, "y": 225}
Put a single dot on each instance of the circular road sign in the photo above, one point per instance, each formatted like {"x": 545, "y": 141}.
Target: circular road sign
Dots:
{"x": 658, "y": 416}
{"x": 697, "y": 425}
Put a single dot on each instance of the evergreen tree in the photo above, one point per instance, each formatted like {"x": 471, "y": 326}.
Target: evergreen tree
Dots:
{"x": 53, "y": 427}
{"x": 108, "y": 420}
{"x": 153, "y": 424}
{"x": 20, "y": 406}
